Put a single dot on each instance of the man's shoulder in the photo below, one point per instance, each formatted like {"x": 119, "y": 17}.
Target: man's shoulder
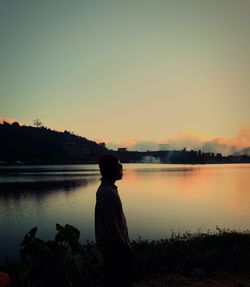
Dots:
{"x": 106, "y": 190}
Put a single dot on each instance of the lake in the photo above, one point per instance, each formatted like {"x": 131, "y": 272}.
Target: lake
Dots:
{"x": 158, "y": 199}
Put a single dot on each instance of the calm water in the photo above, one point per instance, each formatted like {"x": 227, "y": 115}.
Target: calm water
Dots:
{"x": 157, "y": 199}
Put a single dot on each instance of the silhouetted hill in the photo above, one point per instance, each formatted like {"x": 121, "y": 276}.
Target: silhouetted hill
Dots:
{"x": 41, "y": 145}
{"x": 30, "y": 145}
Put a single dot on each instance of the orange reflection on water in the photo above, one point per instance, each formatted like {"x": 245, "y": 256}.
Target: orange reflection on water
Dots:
{"x": 189, "y": 196}
{"x": 239, "y": 201}
{"x": 189, "y": 183}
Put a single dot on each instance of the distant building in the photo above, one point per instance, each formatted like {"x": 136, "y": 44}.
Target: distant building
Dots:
{"x": 122, "y": 149}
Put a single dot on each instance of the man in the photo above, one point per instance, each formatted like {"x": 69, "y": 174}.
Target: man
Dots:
{"x": 110, "y": 225}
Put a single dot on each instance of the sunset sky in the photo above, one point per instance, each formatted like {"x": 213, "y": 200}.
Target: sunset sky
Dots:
{"x": 129, "y": 71}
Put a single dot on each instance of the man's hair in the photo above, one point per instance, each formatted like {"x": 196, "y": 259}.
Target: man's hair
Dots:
{"x": 108, "y": 165}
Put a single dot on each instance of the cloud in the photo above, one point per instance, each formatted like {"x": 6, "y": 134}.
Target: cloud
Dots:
{"x": 216, "y": 146}
{"x": 10, "y": 121}
{"x": 242, "y": 139}
{"x": 139, "y": 145}
{"x": 185, "y": 140}
{"x": 148, "y": 145}
{"x": 189, "y": 141}
{"x": 229, "y": 145}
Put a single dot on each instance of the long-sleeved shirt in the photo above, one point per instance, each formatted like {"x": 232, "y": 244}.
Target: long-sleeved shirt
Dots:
{"x": 110, "y": 222}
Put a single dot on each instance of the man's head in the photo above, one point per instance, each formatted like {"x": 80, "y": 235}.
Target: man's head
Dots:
{"x": 110, "y": 167}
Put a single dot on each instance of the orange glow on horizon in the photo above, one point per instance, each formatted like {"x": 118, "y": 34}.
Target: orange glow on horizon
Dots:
{"x": 10, "y": 121}
{"x": 192, "y": 141}
{"x": 241, "y": 140}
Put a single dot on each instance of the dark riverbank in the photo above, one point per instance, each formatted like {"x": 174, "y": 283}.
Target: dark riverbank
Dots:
{"x": 207, "y": 259}
{"x": 201, "y": 259}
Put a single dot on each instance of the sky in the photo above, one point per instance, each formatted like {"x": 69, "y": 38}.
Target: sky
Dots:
{"x": 129, "y": 73}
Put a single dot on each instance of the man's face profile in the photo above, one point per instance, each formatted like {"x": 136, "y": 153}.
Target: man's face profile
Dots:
{"x": 110, "y": 167}
{"x": 119, "y": 171}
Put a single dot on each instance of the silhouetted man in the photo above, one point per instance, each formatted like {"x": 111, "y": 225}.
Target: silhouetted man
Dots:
{"x": 110, "y": 226}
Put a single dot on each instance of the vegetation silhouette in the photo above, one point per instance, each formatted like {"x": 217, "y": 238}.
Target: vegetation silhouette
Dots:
{"x": 40, "y": 145}
{"x": 64, "y": 261}
{"x": 180, "y": 157}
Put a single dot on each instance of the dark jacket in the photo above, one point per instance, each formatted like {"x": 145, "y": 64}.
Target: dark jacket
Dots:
{"x": 110, "y": 222}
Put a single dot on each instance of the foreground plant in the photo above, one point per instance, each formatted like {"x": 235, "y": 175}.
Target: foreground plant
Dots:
{"x": 63, "y": 262}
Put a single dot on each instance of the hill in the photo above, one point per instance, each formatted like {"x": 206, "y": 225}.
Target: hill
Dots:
{"x": 26, "y": 144}
{"x": 41, "y": 145}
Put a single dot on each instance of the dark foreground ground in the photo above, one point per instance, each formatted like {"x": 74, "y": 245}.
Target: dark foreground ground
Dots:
{"x": 218, "y": 280}
{"x": 200, "y": 260}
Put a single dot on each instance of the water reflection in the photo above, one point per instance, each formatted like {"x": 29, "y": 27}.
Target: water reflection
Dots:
{"x": 43, "y": 197}
{"x": 16, "y": 180}
{"x": 157, "y": 199}
{"x": 186, "y": 198}
{"x": 38, "y": 187}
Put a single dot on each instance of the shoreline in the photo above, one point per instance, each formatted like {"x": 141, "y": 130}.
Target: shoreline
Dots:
{"x": 2, "y": 166}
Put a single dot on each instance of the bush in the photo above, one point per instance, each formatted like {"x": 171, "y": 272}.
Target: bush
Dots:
{"x": 65, "y": 262}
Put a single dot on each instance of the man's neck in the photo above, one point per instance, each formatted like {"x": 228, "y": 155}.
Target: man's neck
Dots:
{"x": 112, "y": 181}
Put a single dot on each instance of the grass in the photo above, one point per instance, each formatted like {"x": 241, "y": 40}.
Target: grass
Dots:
{"x": 206, "y": 259}
{"x": 181, "y": 260}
